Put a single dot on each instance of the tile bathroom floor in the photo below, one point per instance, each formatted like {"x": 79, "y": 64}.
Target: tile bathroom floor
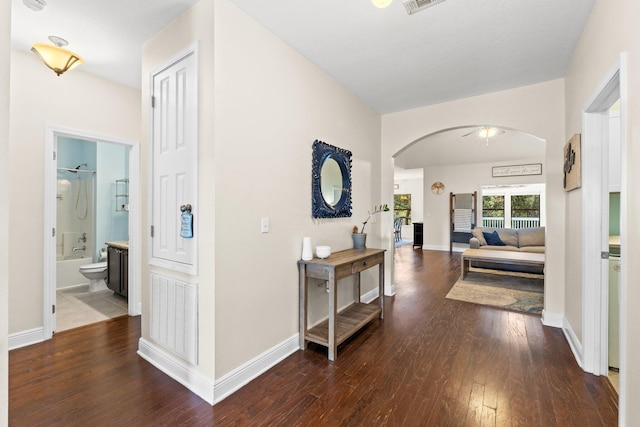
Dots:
{"x": 77, "y": 307}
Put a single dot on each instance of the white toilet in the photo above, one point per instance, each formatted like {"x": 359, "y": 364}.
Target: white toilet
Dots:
{"x": 96, "y": 272}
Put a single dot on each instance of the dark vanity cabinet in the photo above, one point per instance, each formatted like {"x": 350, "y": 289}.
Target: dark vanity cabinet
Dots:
{"x": 418, "y": 234}
{"x": 118, "y": 270}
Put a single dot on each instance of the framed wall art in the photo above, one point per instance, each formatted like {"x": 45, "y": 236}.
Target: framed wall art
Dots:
{"x": 516, "y": 170}
{"x": 572, "y": 167}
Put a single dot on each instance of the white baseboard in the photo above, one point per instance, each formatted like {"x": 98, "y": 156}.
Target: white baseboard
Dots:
{"x": 240, "y": 376}
{"x": 25, "y": 338}
{"x": 434, "y": 248}
{"x": 552, "y": 319}
{"x": 370, "y": 296}
{"x": 177, "y": 369}
{"x": 443, "y": 248}
{"x": 574, "y": 342}
{"x": 214, "y": 392}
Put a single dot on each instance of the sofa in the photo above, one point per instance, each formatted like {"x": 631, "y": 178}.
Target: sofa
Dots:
{"x": 508, "y": 239}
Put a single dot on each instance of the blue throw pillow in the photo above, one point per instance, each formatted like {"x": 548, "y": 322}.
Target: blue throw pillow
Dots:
{"x": 493, "y": 239}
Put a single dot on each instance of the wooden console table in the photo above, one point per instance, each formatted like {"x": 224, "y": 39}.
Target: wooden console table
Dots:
{"x": 342, "y": 325}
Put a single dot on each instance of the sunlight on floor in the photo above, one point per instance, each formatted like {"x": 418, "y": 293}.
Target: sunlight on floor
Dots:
{"x": 77, "y": 307}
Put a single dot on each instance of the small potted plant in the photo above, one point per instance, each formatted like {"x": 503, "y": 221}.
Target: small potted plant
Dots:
{"x": 360, "y": 238}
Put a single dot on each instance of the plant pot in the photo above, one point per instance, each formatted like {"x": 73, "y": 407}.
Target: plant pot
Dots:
{"x": 359, "y": 240}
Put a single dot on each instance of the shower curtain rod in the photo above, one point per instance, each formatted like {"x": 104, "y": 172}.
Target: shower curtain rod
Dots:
{"x": 76, "y": 170}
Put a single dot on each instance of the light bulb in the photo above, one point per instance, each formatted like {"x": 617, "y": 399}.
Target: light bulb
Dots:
{"x": 487, "y": 132}
{"x": 381, "y": 3}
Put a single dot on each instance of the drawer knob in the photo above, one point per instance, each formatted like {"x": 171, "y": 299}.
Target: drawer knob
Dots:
{"x": 364, "y": 262}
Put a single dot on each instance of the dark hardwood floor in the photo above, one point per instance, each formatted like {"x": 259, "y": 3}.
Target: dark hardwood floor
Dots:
{"x": 430, "y": 362}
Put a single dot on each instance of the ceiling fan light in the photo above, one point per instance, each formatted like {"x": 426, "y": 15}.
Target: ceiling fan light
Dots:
{"x": 381, "y": 3}
{"x": 56, "y": 58}
{"x": 487, "y": 132}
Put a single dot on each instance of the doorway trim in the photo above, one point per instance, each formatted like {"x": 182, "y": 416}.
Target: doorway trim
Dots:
{"x": 595, "y": 299}
{"x": 49, "y": 285}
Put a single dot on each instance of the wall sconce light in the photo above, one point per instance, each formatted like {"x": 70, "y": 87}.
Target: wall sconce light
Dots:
{"x": 381, "y": 3}
{"x": 56, "y": 57}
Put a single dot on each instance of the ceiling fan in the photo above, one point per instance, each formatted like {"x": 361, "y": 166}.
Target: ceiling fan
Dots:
{"x": 486, "y": 132}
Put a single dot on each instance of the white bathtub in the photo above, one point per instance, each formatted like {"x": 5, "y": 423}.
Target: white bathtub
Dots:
{"x": 68, "y": 272}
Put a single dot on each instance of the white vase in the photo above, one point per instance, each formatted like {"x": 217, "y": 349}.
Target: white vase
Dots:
{"x": 307, "y": 253}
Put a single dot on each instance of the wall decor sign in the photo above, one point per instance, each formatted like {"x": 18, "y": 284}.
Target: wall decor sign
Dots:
{"x": 516, "y": 170}
{"x": 572, "y": 168}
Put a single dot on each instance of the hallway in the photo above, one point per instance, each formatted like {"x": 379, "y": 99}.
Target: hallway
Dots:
{"x": 431, "y": 361}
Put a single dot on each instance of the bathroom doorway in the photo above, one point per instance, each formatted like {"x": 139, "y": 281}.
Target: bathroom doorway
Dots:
{"x": 91, "y": 197}
{"x": 91, "y": 209}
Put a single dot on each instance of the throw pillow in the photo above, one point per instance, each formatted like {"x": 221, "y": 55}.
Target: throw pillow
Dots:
{"x": 477, "y": 233}
{"x": 493, "y": 239}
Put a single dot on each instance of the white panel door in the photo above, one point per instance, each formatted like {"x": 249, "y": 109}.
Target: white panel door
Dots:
{"x": 175, "y": 154}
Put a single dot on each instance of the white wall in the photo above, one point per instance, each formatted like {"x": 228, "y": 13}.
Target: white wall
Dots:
{"x": 611, "y": 30}
{"x": 537, "y": 110}
{"x": 75, "y": 100}
{"x": 261, "y": 107}
{"x": 271, "y": 104}
{"x": 462, "y": 179}
{"x": 5, "y": 43}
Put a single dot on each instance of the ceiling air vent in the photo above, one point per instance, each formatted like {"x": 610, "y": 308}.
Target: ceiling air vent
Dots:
{"x": 413, "y": 6}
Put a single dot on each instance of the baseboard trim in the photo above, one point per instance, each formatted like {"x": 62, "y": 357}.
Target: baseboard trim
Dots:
{"x": 574, "y": 342}
{"x": 551, "y": 319}
{"x": 177, "y": 369}
{"x": 434, "y": 248}
{"x": 214, "y": 392}
{"x": 443, "y": 248}
{"x": 25, "y": 338}
{"x": 234, "y": 380}
{"x": 370, "y": 296}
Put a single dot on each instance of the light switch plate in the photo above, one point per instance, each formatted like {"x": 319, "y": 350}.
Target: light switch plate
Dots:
{"x": 264, "y": 225}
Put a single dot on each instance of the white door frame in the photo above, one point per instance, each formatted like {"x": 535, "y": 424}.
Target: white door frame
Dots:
{"x": 595, "y": 308}
{"x": 50, "y": 166}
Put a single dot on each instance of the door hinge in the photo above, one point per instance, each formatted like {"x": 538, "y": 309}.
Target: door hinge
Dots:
{"x": 53, "y": 232}
{"x": 153, "y": 101}
{"x": 604, "y": 255}
{"x": 152, "y": 231}
{"x": 54, "y": 155}
{"x": 53, "y": 309}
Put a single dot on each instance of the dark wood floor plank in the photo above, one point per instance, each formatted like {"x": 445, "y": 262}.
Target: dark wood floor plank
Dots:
{"x": 430, "y": 362}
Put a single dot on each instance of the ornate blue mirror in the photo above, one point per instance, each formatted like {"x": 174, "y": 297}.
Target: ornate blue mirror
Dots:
{"x": 330, "y": 181}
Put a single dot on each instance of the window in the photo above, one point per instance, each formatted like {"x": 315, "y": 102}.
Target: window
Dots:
{"x": 493, "y": 211}
{"x": 513, "y": 206}
{"x": 525, "y": 211}
{"x": 402, "y": 207}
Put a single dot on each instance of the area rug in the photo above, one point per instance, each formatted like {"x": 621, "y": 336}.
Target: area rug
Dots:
{"x": 510, "y": 291}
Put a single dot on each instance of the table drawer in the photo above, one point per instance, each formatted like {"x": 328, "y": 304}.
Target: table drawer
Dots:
{"x": 368, "y": 262}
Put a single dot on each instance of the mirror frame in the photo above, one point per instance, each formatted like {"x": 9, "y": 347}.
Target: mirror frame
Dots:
{"x": 320, "y": 208}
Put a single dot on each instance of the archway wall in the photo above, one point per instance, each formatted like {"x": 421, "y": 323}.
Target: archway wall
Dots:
{"x": 538, "y": 110}
{"x": 611, "y": 30}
